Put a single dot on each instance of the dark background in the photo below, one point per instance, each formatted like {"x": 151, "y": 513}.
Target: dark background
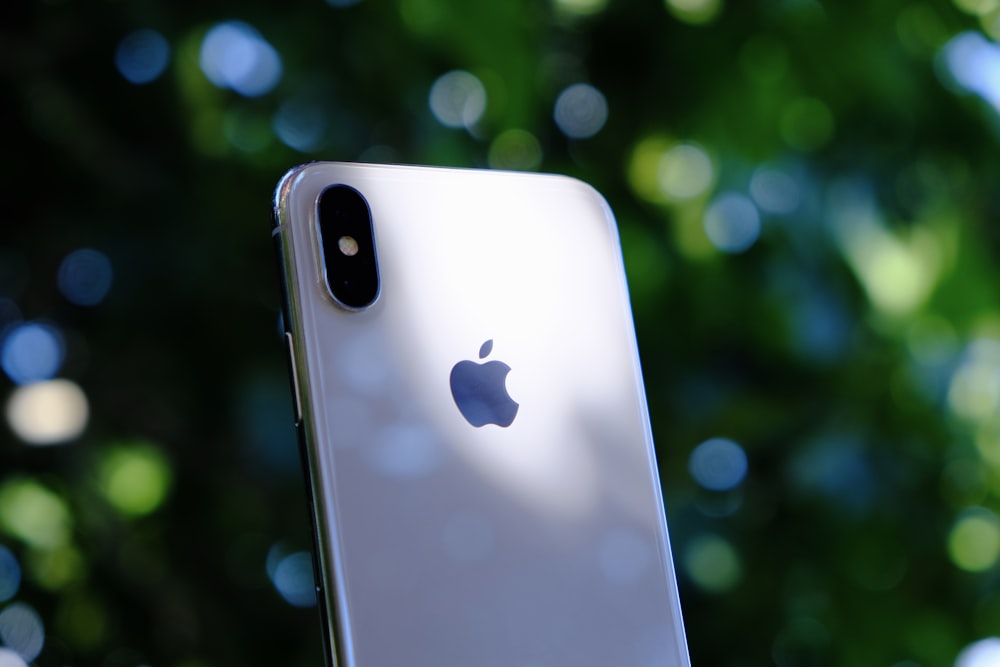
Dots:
{"x": 851, "y": 349}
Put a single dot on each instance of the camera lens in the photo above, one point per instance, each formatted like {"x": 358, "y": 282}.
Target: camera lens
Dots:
{"x": 345, "y": 231}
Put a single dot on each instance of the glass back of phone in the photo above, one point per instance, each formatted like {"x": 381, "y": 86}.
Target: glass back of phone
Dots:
{"x": 482, "y": 470}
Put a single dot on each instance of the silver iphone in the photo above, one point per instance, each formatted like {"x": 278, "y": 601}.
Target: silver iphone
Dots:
{"x": 467, "y": 382}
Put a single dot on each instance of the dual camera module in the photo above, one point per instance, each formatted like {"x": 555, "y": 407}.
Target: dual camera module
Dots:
{"x": 349, "y": 262}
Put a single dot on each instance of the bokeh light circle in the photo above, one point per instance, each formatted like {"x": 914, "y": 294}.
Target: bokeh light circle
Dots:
{"x": 135, "y": 478}
{"x": 581, "y": 7}
{"x": 581, "y": 111}
{"x": 977, "y": 7}
{"x": 32, "y": 352}
{"x": 694, "y": 11}
{"x": 10, "y": 574}
{"x": 685, "y": 171}
{"x": 142, "y": 56}
{"x": 983, "y": 653}
{"x": 457, "y": 99}
{"x": 85, "y": 277}
{"x": 718, "y": 464}
{"x": 301, "y": 125}
{"x": 515, "y": 149}
{"x": 732, "y": 223}
{"x": 971, "y": 61}
{"x": 774, "y": 191}
{"x": 294, "y": 581}
{"x": 235, "y": 56}
{"x": 10, "y": 658}
{"x": 974, "y": 390}
{"x": 46, "y": 413}
{"x": 34, "y": 514}
{"x": 974, "y": 540}
{"x": 712, "y": 564}
{"x": 21, "y": 629}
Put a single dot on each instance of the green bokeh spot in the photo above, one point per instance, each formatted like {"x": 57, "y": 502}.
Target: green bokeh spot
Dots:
{"x": 135, "y": 478}
{"x": 974, "y": 541}
{"x": 713, "y": 564}
{"x": 34, "y": 514}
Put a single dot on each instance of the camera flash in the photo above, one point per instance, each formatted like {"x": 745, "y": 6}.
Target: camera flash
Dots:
{"x": 348, "y": 245}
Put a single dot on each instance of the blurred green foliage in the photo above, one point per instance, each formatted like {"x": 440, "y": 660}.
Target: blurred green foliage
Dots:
{"x": 850, "y": 346}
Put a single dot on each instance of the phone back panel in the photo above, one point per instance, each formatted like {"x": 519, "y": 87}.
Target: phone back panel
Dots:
{"x": 539, "y": 544}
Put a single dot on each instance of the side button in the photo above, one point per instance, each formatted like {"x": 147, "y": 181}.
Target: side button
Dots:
{"x": 290, "y": 348}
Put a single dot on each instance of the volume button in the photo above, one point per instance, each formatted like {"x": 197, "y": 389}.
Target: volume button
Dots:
{"x": 290, "y": 348}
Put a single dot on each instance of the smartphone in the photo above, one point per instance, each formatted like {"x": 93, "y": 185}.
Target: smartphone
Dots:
{"x": 468, "y": 392}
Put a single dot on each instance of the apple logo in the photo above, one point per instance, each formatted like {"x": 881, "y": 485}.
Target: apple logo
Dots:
{"x": 480, "y": 391}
